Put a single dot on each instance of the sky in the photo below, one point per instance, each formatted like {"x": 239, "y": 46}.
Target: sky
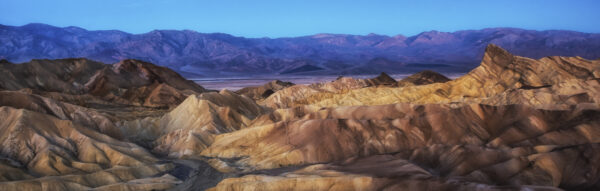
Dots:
{"x": 290, "y": 18}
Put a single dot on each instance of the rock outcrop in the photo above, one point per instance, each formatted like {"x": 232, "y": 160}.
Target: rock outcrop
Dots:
{"x": 423, "y": 78}
{"x": 264, "y": 91}
{"x": 190, "y": 127}
{"x": 498, "y": 73}
{"x": 297, "y": 93}
{"x": 129, "y": 82}
{"x": 343, "y": 84}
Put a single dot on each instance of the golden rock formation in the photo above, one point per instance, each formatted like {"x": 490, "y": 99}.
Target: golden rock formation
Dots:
{"x": 191, "y": 126}
{"x": 297, "y": 93}
{"x": 75, "y": 156}
{"x": 499, "y": 72}
{"x": 511, "y": 123}
{"x": 59, "y": 124}
{"x": 346, "y": 132}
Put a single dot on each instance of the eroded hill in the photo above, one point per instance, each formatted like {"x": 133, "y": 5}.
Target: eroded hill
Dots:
{"x": 511, "y": 123}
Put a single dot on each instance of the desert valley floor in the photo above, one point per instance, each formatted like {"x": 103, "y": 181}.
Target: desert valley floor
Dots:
{"x": 237, "y": 83}
{"x": 512, "y": 123}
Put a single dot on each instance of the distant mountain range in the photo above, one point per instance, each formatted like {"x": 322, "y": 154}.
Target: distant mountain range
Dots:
{"x": 201, "y": 54}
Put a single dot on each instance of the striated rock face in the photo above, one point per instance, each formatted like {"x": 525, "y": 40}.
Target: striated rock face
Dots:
{"x": 60, "y": 121}
{"x": 65, "y": 75}
{"x": 86, "y": 117}
{"x": 512, "y": 123}
{"x": 343, "y": 84}
{"x": 140, "y": 73}
{"x": 141, "y": 83}
{"x": 436, "y": 146}
{"x": 78, "y": 157}
{"x": 116, "y": 178}
{"x": 298, "y": 93}
{"x": 382, "y": 172}
{"x": 499, "y": 72}
{"x": 190, "y": 127}
{"x": 129, "y": 82}
{"x": 363, "y": 131}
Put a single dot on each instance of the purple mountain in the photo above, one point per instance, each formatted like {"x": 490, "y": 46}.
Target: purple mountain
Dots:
{"x": 194, "y": 53}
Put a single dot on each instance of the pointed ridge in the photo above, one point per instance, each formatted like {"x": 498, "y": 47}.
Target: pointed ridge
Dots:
{"x": 190, "y": 101}
{"x": 495, "y": 56}
{"x": 424, "y": 77}
{"x": 385, "y": 78}
{"x": 226, "y": 92}
{"x": 495, "y": 49}
{"x": 127, "y": 63}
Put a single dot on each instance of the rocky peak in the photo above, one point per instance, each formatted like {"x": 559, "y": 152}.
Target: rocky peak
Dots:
{"x": 151, "y": 73}
{"x": 495, "y": 56}
{"x": 423, "y": 78}
{"x": 264, "y": 91}
{"x": 131, "y": 65}
{"x": 4, "y": 62}
{"x": 383, "y": 79}
{"x": 501, "y": 70}
{"x": 278, "y": 83}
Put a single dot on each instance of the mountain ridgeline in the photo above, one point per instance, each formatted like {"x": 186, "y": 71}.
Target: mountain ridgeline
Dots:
{"x": 200, "y": 54}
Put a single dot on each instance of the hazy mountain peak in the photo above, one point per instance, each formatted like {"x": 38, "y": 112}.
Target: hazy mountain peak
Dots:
{"x": 328, "y": 35}
{"x": 213, "y": 53}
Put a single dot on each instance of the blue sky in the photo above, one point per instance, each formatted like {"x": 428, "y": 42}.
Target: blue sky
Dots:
{"x": 288, "y": 18}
